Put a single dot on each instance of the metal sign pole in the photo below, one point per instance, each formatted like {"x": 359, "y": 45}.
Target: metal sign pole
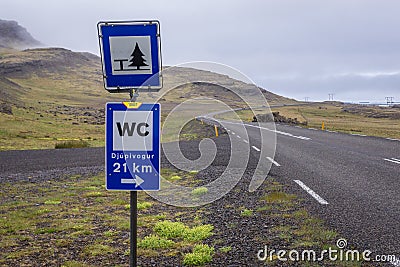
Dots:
{"x": 133, "y": 237}
{"x": 133, "y": 206}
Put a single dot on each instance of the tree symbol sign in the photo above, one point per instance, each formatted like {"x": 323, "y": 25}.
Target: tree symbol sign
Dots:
{"x": 137, "y": 59}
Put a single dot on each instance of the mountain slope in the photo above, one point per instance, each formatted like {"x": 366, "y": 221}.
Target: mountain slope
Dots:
{"x": 52, "y": 94}
{"x": 12, "y": 35}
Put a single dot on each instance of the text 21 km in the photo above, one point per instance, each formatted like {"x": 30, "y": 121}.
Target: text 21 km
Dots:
{"x": 136, "y": 168}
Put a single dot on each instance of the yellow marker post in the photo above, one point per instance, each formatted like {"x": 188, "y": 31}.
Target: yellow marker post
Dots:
{"x": 323, "y": 126}
{"x": 216, "y": 130}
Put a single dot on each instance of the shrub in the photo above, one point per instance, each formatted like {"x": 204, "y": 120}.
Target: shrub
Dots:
{"x": 199, "y": 191}
{"x": 201, "y": 255}
{"x": 155, "y": 242}
{"x": 72, "y": 144}
{"x": 170, "y": 229}
{"x": 198, "y": 233}
{"x": 246, "y": 213}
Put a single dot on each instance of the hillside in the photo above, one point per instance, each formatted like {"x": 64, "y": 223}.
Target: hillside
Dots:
{"x": 12, "y": 35}
{"x": 48, "y": 95}
{"x": 60, "y": 95}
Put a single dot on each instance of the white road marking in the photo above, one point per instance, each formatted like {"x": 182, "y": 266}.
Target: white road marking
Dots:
{"x": 392, "y": 139}
{"x": 233, "y": 132}
{"x": 331, "y": 131}
{"x": 274, "y": 162}
{"x": 394, "y": 160}
{"x": 311, "y": 192}
{"x": 363, "y": 135}
{"x": 276, "y": 131}
{"x": 238, "y": 136}
{"x": 244, "y": 140}
{"x": 303, "y": 138}
{"x": 255, "y": 148}
{"x": 313, "y": 129}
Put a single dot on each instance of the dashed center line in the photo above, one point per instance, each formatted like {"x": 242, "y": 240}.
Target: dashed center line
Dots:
{"x": 273, "y": 162}
{"x": 256, "y": 148}
{"x": 272, "y": 130}
{"x": 363, "y": 135}
{"x": 311, "y": 192}
{"x": 238, "y": 136}
{"x": 393, "y": 139}
{"x": 244, "y": 140}
{"x": 394, "y": 160}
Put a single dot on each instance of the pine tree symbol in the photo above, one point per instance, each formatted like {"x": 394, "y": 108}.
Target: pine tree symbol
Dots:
{"x": 137, "y": 58}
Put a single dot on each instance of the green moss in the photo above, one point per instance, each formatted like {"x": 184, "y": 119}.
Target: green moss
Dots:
{"x": 155, "y": 242}
{"x": 52, "y": 202}
{"x": 170, "y": 229}
{"x": 279, "y": 197}
{"x": 98, "y": 249}
{"x": 199, "y": 191}
{"x": 246, "y": 213}
{"x": 201, "y": 255}
{"x": 72, "y": 144}
{"x": 198, "y": 233}
{"x": 225, "y": 249}
{"x": 74, "y": 264}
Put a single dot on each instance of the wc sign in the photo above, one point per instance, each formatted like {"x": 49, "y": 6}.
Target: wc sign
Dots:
{"x": 131, "y": 55}
{"x": 132, "y": 146}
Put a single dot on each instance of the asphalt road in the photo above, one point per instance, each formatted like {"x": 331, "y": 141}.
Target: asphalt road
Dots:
{"x": 355, "y": 180}
{"x": 30, "y": 164}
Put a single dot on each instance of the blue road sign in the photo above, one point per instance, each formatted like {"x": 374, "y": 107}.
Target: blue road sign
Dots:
{"x": 131, "y": 55}
{"x": 132, "y": 146}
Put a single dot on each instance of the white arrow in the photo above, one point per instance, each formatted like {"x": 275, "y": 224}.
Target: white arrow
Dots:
{"x": 137, "y": 181}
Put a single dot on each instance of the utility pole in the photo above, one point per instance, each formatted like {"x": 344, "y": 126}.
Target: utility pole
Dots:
{"x": 389, "y": 100}
{"x": 306, "y": 99}
{"x": 330, "y": 97}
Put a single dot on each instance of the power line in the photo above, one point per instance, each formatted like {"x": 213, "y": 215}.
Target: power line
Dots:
{"x": 389, "y": 99}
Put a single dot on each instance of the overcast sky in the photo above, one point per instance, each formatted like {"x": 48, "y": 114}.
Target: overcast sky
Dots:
{"x": 296, "y": 48}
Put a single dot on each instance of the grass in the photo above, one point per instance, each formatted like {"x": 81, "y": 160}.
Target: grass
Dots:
{"x": 246, "y": 213}
{"x": 26, "y": 129}
{"x": 199, "y": 191}
{"x": 279, "y": 197}
{"x": 336, "y": 119}
{"x": 72, "y": 144}
{"x": 225, "y": 249}
{"x": 178, "y": 230}
{"x": 87, "y": 224}
{"x": 293, "y": 226}
{"x": 201, "y": 255}
{"x": 155, "y": 242}
{"x": 98, "y": 249}
{"x": 170, "y": 229}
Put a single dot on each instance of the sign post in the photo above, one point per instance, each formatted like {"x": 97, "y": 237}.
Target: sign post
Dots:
{"x": 131, "y": 62}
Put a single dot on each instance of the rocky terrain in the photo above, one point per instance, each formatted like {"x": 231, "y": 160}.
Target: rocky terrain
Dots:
{"x": 277, "y": 118}
{"x": 374, "y": 111}
{"x": 12, "y": 35}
